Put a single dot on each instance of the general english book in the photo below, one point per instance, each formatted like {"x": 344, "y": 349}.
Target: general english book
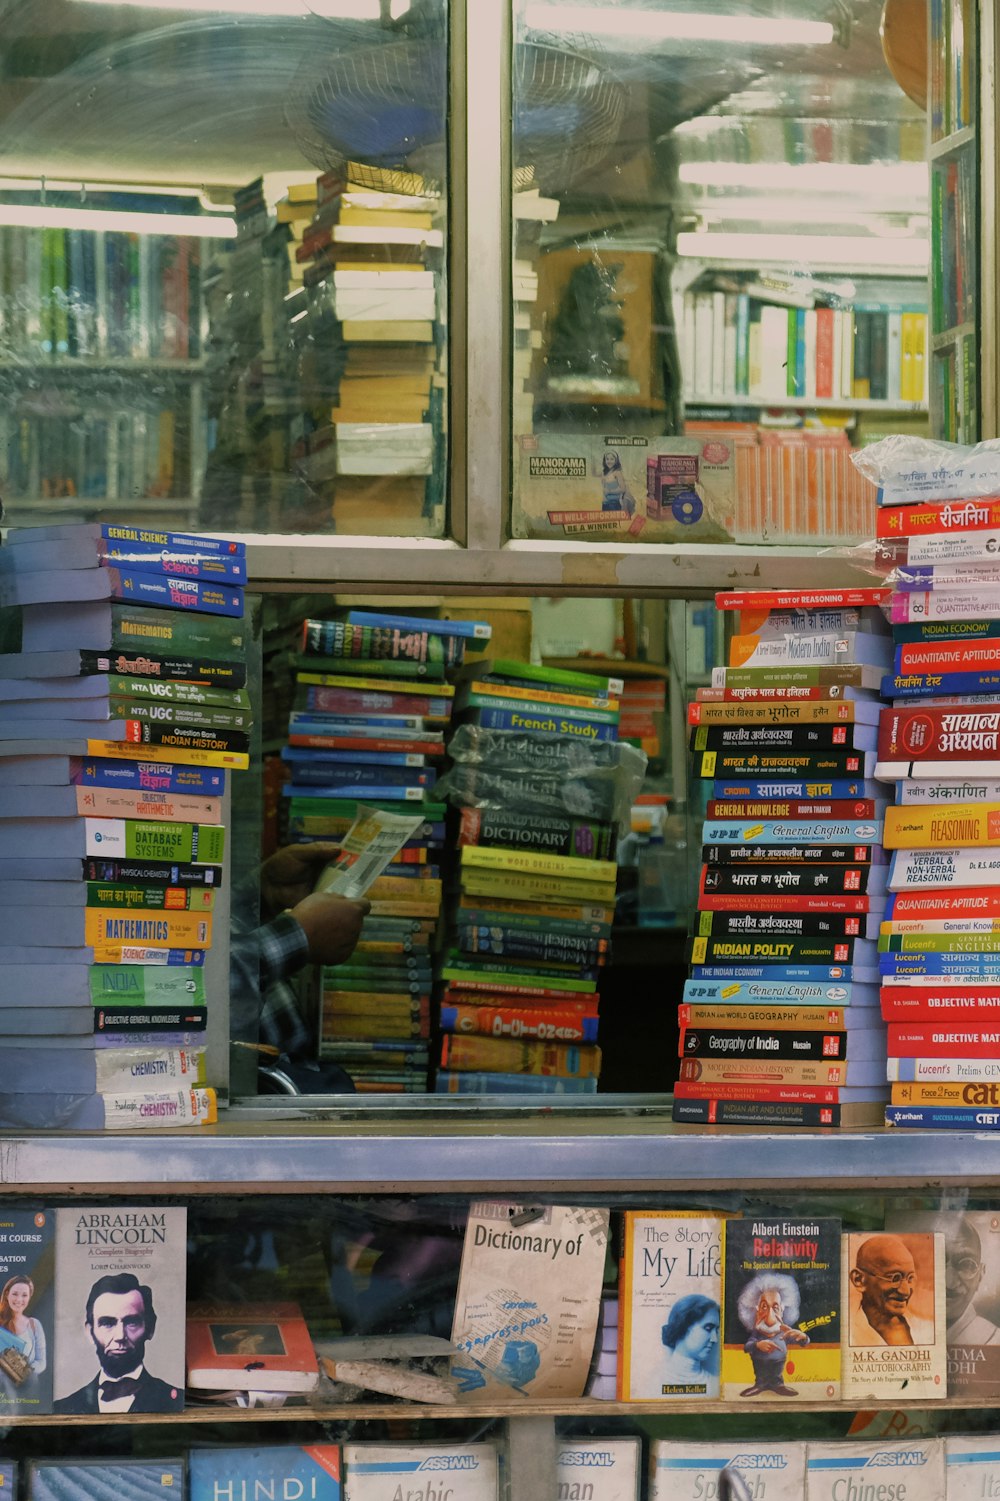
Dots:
{"x": 284, "y": 1472}
{"x": 669, "y": 1300}
{"x": 894, "y": 1315}
{"x": 119, "y": 1310}
{"x": 27, "y": 1277}
{"x": 972, "y": 1294}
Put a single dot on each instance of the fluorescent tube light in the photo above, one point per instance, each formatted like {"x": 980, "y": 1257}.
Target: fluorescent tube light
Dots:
{"x": 678, "y": 25}
{"x": 817, "y": 250}
{"x": 127, "y": 221}
{"x": 892, "y": 178}
{"x": 340, "y": 10}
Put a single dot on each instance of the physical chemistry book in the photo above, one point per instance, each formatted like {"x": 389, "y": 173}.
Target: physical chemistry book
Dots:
{"x": 669, "y": 1306}
{"x": 781, "y": 1320}
{"x": 27, "y": 1275}
{"x": 292, "y": 1472}
{"x": 105, "y": 1479}
{"x": 894, "y": 1316}
{"x": 910, "y": 1469}
{"x": 598, "y": 1469}
{"x": 528, "y": 1298}
{"x": 263, "y": 1347}
{"x": 972, "y": 1293}
{"x": 120, "y": 1296}
{"x": 688, "y": 1471}
{"x": 422, "y": 1472}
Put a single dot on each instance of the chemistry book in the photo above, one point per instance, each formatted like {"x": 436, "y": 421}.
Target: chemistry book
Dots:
{"x": 972, "y": 1270}
{"x": 894, "y": 1318}
{"x": 681, "y": 1470}
{"x": 97, "y": 1112}
{"x": 420, "y": 1472}
{"x": 127, "y": 1264}
{"x": 903, "y": 1467}
{"x": 104, "y": 1479}
{"x": 249, "y": 1347}
{"x": 27, "y": 1274}
{"x": 528, "y": 1298}
{"x": 600, "y": 1469}
{"x": 669, "y": 1306}
{"x": 308, "y": 1472}
{"x": 163, "y": 591}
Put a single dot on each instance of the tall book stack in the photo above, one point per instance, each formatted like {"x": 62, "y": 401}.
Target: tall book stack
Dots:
{"x": 780, "y": 1022}
{"x": 532, "y": 212}
{"x": 122, "y": 703}
{"x": 939, "y": 742}
{"x": 533, "y": 784}
{"x": 372, "y": 705}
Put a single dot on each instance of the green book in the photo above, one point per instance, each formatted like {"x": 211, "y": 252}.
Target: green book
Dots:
{"x": 146, "y": 985}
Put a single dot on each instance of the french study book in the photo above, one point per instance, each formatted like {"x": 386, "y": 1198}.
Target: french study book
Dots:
{"x": 293, "y": 1472}
{"x": 529, "y": 1293}
{"x": 689, "y": 1471}
{"x": 27, "y": 1278}
{"x": 430, "y": 1472}
{"x": 105, "y": 1479}
{"x": 972, "y": 1293}
{"x": 894, "y": 1316}
{"x": 263, "y": 1347}
{"x": 598, "y": 1469}
{"x": 781, "y": 1318}
{"x": 669, "y": 1306}
{"x": 904, "y": 1468}
{"x": 119, "y": 1309}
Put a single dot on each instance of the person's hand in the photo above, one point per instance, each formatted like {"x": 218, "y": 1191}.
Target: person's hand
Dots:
{"x": 289, "y": 875}
{"x": 332, "y": 925}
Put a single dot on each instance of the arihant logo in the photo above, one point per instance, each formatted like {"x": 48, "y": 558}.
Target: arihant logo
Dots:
{"x": 758, "y": 1462}
{"x": 897, "y": 1457}
{"x": 449, "y": 1462}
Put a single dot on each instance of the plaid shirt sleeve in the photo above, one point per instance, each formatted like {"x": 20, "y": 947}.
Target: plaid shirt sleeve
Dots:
{"x": 263, "y": 962}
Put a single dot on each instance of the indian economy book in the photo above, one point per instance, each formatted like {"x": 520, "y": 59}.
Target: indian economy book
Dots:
{"x": 120, "y": 1263}
{"x": 682, "y": 1470}
{"x": 420, "y": 1472}
{"x": 273, "y": 1472}
{"x": 598, "y": 1469}
{"x": 894, "y": 1320}
{"x": 27, "y": 1281}
{"x": 781, "y": 1308}
{"x": 528, "y": 1297}
{"x": 669, "y": 1306}
{"x": 904, "y": 1468}
{"x": 972, "y": 1293}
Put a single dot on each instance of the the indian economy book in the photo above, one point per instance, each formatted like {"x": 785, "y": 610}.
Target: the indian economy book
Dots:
{"x": 27, "y": 1275}
{"x": 144, "y": 1250}
{"x": 598, "y": 1469}
{"x": 972, "y": 1287}
{"x": 894, "y": 1317}
{"x": 972, "y": 1466}
{"x": 684, "y": 1470}
{"x": 420, "y": 1472}
{"x": 292, "y": 1472}
{"x": 105, "y": 1479}
{"x": 669, "y": 1305}
{"x": 528, "y": 1299}
{"x": 904, "y": 1468}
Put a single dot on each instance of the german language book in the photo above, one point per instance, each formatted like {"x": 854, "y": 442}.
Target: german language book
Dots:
{"x": 105, "y": 1479}
{"x": 385, "y": 1472}
{"x": 895, "y": 1318}
{"x": 27, "y": 1279}
{"x": 972, "y": 1289}
{"x": 781, "y": 1302}
{"x": 119, "y": 1309}
{"x": 905, "y": 1468}
{"x": 293, "y": 1472}
{"x": 670, "y": 1292}
{"x": 528, "y": 1299}
{"x": 690, "y": 1471}
{"x": 598, "y": 1469}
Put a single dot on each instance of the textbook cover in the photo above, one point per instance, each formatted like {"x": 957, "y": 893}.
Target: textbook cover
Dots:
{"x": 386, "y": 1472}
{"x": 598, "y": 1469}
{"x": 27, "y": 1275}
{"x": 264, "y": 1347}
{"x": 972, "y": 1293}
{"x": 682, "y": 1471}
{"x": 293, "y": 1472}
{"x": 669, "y": 1306}
{"x": 903, "y": 1468}
{"x": 529, "y": 1293}
{"x": 781, "y": 1319}
{"x": 894, "y": 1315}
{"x": 105, "y": 1479}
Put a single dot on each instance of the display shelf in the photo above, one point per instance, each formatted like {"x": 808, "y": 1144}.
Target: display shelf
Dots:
{"x": 953, "y": 142}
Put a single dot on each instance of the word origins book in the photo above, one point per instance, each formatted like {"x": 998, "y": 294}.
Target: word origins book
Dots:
{"x": 598, "y": 1469}
{"x": 420, "y": 1472}
{"x": 681, "y": 1471}
{"x": 894, "y": 1315}
{"x": 907, "y": 1470}
{"x": 669, "y": 1302}
{"x": 278, "y": 1472}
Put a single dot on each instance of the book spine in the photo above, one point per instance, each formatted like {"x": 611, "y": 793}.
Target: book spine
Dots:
{"x": 833, "y": 808}
{"x": 788, "y": 675}
{"x": 794, "y": 992}
{"x": 823, "y": 765}
{"x": 751, "y": 950}
{"x": 346, "y": 701}
{"x": 712, "y": 1112}
{"x": 805, "y": 792}
{"x": 509, "y": 1055}
{"x": 472, "y": 630}
{"x": 914, "y": 870}
{"x": 777, "y": 974}
{"x": 937, "y": 517}
{"x": 536, "y": 1024}
{"x": 147, "y": 777}
{"x": 943, "y": 905}
{"x": 793, "y": 924}
{"x": 127, "y": 870}
{"x": 474, "y": 940}
{"x": 790, "y": 1017}
{"x": 906, "y": 1040}
{"x": 170, "y": 737}
{"x": 835, "y": 711}
{"x": 480, "y": 694}
{"x": 941, "y": 657}
{"x": 760, "y": 1043}
{"x": 492, "y": 718}
{"x": 965, "y": 824}
{"x": 795, "y": 737}
{"x": 742, "y": 831}
{"x": 793, "y": 854}
{"x": 800, "y": 599}
{"x": 228, "y": 675}
{"x": 116, "y": 802}
{"x": 117, "y": 985}
{"x": 157, "y": 926}
{"x": 169, "y": 593}
{"x": 821, "y": 1094}
{"x": 413, "y": 746}
{"x": 308, "y": 780}
{"x": 585, "y": 838}
{"x": 180, "y": 715}
{"x": 766, "y": 901}
{"x": 155, "y": 897}
{"x": 971, "y": 1096}
{"x": 950, "y": 604}
{"x": 121, "y": 1020}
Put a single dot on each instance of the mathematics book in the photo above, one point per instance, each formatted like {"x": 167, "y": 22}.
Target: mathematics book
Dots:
{"x": 781, "y": 1318}
{"x": 284, "y": 1472}
{"x": 669, "y": 1301}
{"x": 972, "y": 1293}
{"x": 27, "y": 1277}
{"x": 528, "y": 1298}
{"x": 894, "y": 1315}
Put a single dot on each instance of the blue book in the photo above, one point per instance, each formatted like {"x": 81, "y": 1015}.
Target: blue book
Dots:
{"x": 450, "y": 1082}
{"x": 811, "y": 973}
{"x": 794, "y": 992}
{"x": 26, "y": 1253}
{"x": 473, "y": 631}
{"x": 942, "y": 1118}
{"x": 940, "y": 685}
{"x": 89, "y": 771}
{"x": 147, "y": 557}
{"x": 543, "y": 722}
{"x": 743, "y": 831}
{"x": 94, "y": 534}
{"x": 105, "y": 1479}
{"x": 305, "y": 1472}
{"x": 302, "y": 723}
{"x": 976, "y": 966}
{"x": 797, "y": 790}
{"x": 365, "y": 792}
{"x": 329, "y": 781}
{"x": 308, "y": 761}
{"x": 55, "y": 587}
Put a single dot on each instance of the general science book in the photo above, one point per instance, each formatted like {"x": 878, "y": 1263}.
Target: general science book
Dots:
{"x": 894, "y": 1315}
{"x": 528, "y": 1299}
{"x": 27, "y": 1277}
{"x": 669, "y": 1306}
{"x": 296, "y": 1472}
{"x": 681, "y": 1470}
{"x": 423, "y": 1472}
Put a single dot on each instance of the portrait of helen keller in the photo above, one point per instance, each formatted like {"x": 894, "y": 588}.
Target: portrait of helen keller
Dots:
{"x": 120, "y": 1319}
{"x": 884, "y": 1281}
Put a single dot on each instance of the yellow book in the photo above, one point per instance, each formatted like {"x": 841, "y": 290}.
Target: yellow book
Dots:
{"x": 774, "y": 1018}
{"x": 837, "y": 711}
{"x": 388, "y": 331}
{"x": 406, "y": 888}
{"x": 982, "y": 1094}
{"x": 302, "y": 192}
{"x": 671, "y": 1259}
{"x": 539, "y": 863}
{"x": 511, "y": 883}
{"x": 507, "y": 1055}
{"x": 569, "y": 911}
{"x": 121, "y": 750}
{"x": 958, "y": 826}
{"x": 422, "y": 686}
{"x": 375, "y": 410}
{"x": 380, "y": 1027}
{"x": 401, "y": 218}
{"x": 543, "y": 696}
{"x": 397, "y": 907}
{"x": 148, "y": 925}
{"x": 761, "y": 1072}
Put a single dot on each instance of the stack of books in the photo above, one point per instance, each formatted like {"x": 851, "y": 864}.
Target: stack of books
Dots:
{"x": 122, "y": 701}
{"x": 780, "y": 1022}
{"x": 532, "y": 212}
{"x": 939, "y": 743}
{"x": 368, "y": 731}
{"x": 531, "y": 928}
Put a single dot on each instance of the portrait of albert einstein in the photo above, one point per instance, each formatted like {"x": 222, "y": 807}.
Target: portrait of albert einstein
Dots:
{"x": 768, "y": 1308}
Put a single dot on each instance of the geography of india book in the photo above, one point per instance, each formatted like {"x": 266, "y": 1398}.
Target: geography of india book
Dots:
{"x": 669, "y": 1306}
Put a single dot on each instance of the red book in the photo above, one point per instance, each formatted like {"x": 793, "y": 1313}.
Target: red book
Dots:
{"x": 800, "y": 599}
{"x": 937, "y": 516}
{"x": 362, "y": 742}
{"x": 943, "y": 1039}
{"x": 862, "y": 807}
{"x": 262, "y": 1347}
{"x": 922, "y": 1004}
{"x": 824, "y": 351}
{"x": 693, "y": 1089}
{"x": 765, "y": 901}
{"x": 960, "y": 901}
{"x": 971, "y": 654}
{"x": 955, "y": 732}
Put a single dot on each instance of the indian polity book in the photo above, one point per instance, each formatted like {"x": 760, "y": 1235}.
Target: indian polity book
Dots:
{"x": 669, "y": 1301}
{"x": 894, "y": 1315}
{"x": 972, "y": 1294}
{"x": 276, "y": 1472}
{"x": 598, "y": 1469}
{"x": 781, "y": 1308}
{"x": 27, "y": 1280}
{"x": 902, "y": 1469}
{"x": 681, "y": 1471}
{"x": 120, "y": 1309}
{"x": 105, "y": 1480}
{"x": 420, "y": 1472}
{"x": 971, "y": 1467}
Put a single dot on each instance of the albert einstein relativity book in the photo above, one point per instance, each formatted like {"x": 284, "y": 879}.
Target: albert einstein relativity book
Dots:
{"x": 529, "y": 1293}
{"x": 670, "y": 1292}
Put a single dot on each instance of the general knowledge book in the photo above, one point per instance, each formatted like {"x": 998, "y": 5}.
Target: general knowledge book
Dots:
{"x": 27, "y": 1276}
{"x": 689, "y": 1471}
{"x": 669, "y": 1306}
{"x": 908, "y": 1469}
{"x": 420, "y": 1472}
{"x": 598, "y": 1469}
{"x": 893, "y": 1300}
{"x": 278, "y": 1472}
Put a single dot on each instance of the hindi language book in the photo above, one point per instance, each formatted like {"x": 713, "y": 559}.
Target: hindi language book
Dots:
{"x": 278, "y": 1472}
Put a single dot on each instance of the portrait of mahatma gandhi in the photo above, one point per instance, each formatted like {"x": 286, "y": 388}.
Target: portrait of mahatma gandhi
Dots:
{"x": 971, "y": 1272}
{"x": 886, "y": 1293}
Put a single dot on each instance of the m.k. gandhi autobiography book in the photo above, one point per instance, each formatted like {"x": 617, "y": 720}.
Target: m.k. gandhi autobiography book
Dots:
{"x": 894, "y": 1315}
{"x": 904, "y": 1469}
{"x": 105, "y": 1479}
{"x": 276, "y": 1472}
{"x": 528, "y": 1298}
{"x": 27, "y": 1273}
{"x": 682, "y": 1471}
{"x": 972, "y": 1295}
{"x": 119, "y": 1309}
{"x": 669, "y": 1306}
{"x": 420, "y": 1472}
{"x": 971, "y": 1467}
{"x": 598, "y": 1469}
{"x": 781, "y": 1300}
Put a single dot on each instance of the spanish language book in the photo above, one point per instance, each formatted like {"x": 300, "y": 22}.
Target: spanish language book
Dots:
{"x": 598, "y": 1469}
{"x": 683, "y": 1471}
{"x": 907, "y": 1468}
{"x": 422, "y": 1472}
{"x": 781, "y": 1321}
{"x": 670, "y": 1293}
{"x": 27, "y": 1276}
{"x": 972, "y": 1294}
{"x": 894, "y": 1315}
{"x": 291, "y": 1472}
{"x": 528, "y": 1298}
{"x": 119, "y": 1309}
{"x": 105, "y": 1479}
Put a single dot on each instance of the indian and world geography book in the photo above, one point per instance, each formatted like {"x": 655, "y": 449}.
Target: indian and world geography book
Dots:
{"x": 682, "y": 1470}
{"x": 273, "y": 1472}
{"x": 27, "y": 1279}
{"x": 420, "y": 1472}
{"x": 907, "y": 1469}
{"x": 528, "y": 1299}
{"x": 669, "y": 1306}
{"x": 894, "y": 1314}
{"x": 598, "y": 1469}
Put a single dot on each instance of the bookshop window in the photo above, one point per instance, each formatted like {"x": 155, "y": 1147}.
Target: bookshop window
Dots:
{"x": 223, "y": 272}
{"x": 720, "y": 286}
